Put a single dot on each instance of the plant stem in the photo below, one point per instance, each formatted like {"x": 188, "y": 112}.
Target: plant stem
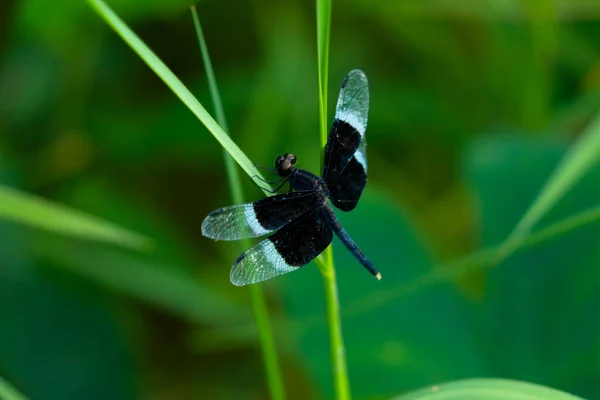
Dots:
{"x": 267, "y": 341}
{"x": 337, "y": 349}
{"x": 261, "y": 313}
{"x": 323, "y": 32}
{"x": 338, "y": 352}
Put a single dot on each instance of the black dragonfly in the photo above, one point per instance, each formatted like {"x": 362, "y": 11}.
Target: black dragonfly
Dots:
{"x": 301, "y": 221}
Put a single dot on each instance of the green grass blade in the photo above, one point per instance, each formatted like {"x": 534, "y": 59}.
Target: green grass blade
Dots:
{"x": 8, "y": 392}
{"x": 267, "y": 342}
{"x": 235, "y": 185}
{"x": 43, "y": 214}
{"x": 564, "y": 226}
{"x": 336, "y": 338}
{"x": 581, "y": 156}
{"x": 164, "y": 286}
{"x": 210, "y": 73}
{"x": 489, "y": 389}
{"x": 261, "y": 313}
{"x": 323, "y": 34}
{"x": 164, "y": 73}
{"x": 326, "y": 265}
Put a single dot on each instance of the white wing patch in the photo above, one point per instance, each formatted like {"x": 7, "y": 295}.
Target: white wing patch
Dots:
{"x": 351, "y": 118}
{"x": 252, "y": 222}
{"x": 258, "y": 264}
{"x": 360, "y": 157}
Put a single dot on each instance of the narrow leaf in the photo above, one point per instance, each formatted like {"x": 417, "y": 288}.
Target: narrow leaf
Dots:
{"x": 43, "y": 214}
{"x": 8, "y": 392}
{"x": 166, "y": 287}
{"x": 174, "y": 84}
{"x": 323, "y": 33}
{"x": 581, "y": 156}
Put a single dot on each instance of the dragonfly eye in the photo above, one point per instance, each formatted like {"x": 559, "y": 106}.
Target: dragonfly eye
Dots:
{"x": 284, "y": 164}
{"x": 278, "y": 161}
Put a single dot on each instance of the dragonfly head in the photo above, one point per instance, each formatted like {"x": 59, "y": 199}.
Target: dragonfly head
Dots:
{"x": 284, "y": 164}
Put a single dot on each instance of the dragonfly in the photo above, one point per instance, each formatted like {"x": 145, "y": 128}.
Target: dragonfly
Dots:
{"x": 301, "y": 222}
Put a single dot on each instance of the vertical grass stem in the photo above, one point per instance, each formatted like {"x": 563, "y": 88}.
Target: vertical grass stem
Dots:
{"x": 261, "y": 313}
{"x": 338, "y": 352}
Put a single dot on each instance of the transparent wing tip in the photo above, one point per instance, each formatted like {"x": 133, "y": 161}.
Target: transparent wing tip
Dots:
{"x": 208, "y": 225}
{"x": 355, "y": 74}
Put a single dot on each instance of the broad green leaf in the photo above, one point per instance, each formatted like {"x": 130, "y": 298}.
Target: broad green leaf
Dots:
{"x": 487, "y": 389}
{"x": 43, "y": 214}
{"x": 536, "y": 308}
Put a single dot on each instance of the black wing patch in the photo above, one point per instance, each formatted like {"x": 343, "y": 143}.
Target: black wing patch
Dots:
{"x": 288, "y": 249}
{"x": 258, "y": 218}
{"x": 348, "y": 128}
{"x": 346, "y": 192}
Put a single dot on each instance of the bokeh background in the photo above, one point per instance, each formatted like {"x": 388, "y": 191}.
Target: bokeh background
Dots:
{"x": 473, "y": 103}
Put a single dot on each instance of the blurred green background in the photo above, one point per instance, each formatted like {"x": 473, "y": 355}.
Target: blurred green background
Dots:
{"x": 473, "y": 103}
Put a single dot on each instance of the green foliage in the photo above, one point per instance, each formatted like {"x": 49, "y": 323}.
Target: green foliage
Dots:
{"x": 582, "y": 156}
{"x": 482, "y": 126}
{"x": 492, "y": 389}
{"x": 42, "y": 214}
{"x": 534, "y": 299}
{"x": 8, "y": 392}
{"x": 174, "y": 84}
